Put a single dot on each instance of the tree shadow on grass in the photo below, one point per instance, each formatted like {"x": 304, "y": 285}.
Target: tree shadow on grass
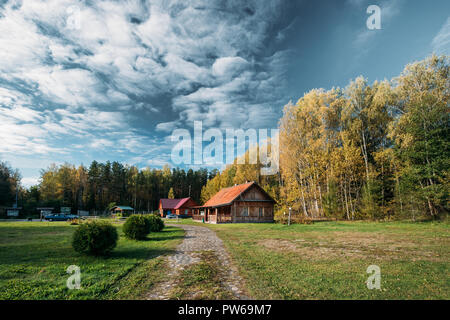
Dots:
{"x": 163, "y": 235}
{"x": 138, "y": 253}
{"x": 150, "y": 238}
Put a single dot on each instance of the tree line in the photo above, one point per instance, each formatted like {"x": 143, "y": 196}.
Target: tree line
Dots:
{"x": 376, "y": 151}
{"x": 102, "y": 185}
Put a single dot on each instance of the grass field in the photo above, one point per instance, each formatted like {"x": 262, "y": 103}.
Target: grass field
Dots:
{"x": 34, "y": 257}
{"x": 328, "y": 260}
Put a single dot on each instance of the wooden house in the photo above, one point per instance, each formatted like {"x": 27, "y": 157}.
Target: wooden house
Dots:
{"x": 246, "y": 202}
{"x": 180, "y": 207}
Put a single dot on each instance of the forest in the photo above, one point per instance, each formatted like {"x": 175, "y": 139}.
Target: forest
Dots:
{"x": 366, "y": 151}
{"x": 378, "y": 151}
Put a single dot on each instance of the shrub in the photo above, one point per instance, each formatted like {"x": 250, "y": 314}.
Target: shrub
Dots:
{"x": 95, "y": 237}
{"x": 156, "y": 223}
{"x": 136, "y": 227}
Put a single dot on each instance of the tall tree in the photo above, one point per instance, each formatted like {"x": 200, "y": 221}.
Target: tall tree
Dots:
{"x": 171, "y": 194}
{"x": 9, "y": 181}
{"x": 422, "y": 132}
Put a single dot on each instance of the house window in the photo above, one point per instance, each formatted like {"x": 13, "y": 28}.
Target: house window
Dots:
{"x": 186, "y": 212}
{"x": 261, "y": 212}
{"x": 245, "y": 212}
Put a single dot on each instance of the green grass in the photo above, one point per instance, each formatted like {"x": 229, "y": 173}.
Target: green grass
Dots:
{"x": 328, "y": 260}
{"x": 201, "y": 281}
{"x": 34, "y": 257}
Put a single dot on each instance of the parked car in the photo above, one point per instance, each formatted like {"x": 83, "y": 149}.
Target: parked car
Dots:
{"x": 60, "y": 217}
{"x": 171, "y": 216}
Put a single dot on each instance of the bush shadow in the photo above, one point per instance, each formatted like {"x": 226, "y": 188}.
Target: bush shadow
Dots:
{"x": 138, "y": 253}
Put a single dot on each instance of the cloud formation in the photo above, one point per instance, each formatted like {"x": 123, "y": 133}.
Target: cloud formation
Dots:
{"x": 116, "y": 76}
{"x": 441, "y": 42}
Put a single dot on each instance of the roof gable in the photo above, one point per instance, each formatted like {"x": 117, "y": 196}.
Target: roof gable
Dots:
{"x": 228, "y": 195}
{"x": 173, "y": 203}
{"x": 123, "y": 207}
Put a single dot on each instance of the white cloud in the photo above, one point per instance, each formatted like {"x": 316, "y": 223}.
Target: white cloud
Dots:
{"x": 30, "y": 181}
{"x": 101, "y": 143}
{"x": 24, "y": 139}
{"x": 229, "y": 66}
{"x": 441, "y": 42}
{"x": 74, "y": 87}
{"x": 166, "y": 126}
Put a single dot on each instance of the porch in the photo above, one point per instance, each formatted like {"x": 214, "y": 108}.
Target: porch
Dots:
{"x": 212, "y": 214}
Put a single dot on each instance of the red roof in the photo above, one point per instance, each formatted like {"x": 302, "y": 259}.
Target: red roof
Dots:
{"x": 173, "y": 203}
{"x": 227, "y": 195}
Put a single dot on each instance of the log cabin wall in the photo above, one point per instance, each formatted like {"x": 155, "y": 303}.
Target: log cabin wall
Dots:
{"x": 253, "y": 206}
{"x": 253, "y": 211}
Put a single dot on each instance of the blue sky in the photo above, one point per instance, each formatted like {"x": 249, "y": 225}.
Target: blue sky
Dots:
{"x": 110, "y": 80}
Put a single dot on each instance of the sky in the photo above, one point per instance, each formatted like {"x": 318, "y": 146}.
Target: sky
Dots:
{"x": 111, "y": 80}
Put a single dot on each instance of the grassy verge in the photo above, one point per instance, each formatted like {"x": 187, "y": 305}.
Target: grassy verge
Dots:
{"x": 201, "y": 281}
{"x": 34, "y": 257}
{"x": 328, "y": 260}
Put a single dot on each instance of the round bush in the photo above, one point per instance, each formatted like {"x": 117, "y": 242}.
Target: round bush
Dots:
{"x": 156, "y": 223}
{"x": 95, "y": 237}
{"x": 136, "y": 227}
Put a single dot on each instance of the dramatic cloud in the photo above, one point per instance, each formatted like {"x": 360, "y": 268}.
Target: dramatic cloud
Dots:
{"x": 116, "y": 77}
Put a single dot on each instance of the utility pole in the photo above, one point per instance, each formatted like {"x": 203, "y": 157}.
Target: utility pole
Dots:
{"x": 135, "y": 194}
{"x": 289, "y": 219}
{"x": 189, "y": 191}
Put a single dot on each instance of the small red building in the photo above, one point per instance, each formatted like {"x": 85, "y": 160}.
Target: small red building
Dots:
{"x": 176, "y": 206}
